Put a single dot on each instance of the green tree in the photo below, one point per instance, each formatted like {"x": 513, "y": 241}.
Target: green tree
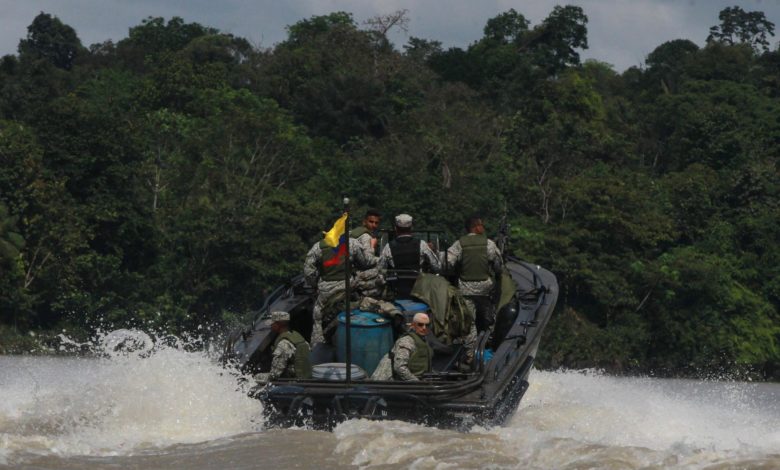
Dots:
{"x": 51, "y": 40}
{"x": 740, "y": 26}
{"x": 154, "y": 37}
{"x": 556, "y": 40}
{"x": 666, "y": 65}
{"x": 507, "y": 27}
{"x": 10, "y": 240}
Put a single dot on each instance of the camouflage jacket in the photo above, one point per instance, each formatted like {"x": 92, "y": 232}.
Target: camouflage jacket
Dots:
{"x": 454, "y": 254}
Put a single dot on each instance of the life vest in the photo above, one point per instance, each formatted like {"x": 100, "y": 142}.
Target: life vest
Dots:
{"x": 332, "y": 268}
{"x": 406, "y": 253}
{"x": 474, "y": 261}
{"x": 302, "y": 363}
{"x": 421, "y": 359}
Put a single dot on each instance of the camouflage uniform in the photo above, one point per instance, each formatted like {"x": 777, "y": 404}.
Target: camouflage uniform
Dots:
{"x": 283, "y": 362}
{"x": 364, "y": 242}
{"x": 429, "y": 261}
{"x": 495, "y": 262}
{"x": 402, "y": 351}
{"x": 368, "y": 281}
{"x": 383, "y": 371}
{"x": 325, "y": 289}
{"x": 382, "y": 307}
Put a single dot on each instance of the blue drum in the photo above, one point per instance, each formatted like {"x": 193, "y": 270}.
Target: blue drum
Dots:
{"x": 371, "y": 337}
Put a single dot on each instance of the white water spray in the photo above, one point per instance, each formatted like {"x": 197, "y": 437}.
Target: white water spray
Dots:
{"x": 139, "y": 396}
{"x": 574, "y": 419}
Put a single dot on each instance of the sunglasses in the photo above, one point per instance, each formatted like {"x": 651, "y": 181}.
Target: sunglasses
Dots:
{"x": 422, "y": 324}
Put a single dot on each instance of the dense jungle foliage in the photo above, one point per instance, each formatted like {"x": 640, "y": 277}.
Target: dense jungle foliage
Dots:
{"x": 170, "y": 179}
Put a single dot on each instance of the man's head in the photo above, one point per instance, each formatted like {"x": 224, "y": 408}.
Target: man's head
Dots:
{"x": 280, "y": 321}
{"x": 473, "y": 224}
{"x": 371, "y": 220}
{"x": 403, "y": 223}
{"x": 421, "y": 323}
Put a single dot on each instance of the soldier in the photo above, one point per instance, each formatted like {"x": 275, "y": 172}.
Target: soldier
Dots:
{"x": 365, "y": 236}
{"x": 477, "y": 260}
{"x": 291, "y": 351}
{"x": 324, "y": 269}
{"x": 408, "y": 252}
{"x": 368, "y": 281}
{"x": 410, "y": 357}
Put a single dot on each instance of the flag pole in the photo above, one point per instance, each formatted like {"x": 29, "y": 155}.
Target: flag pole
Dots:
{"x": 347, "y": 306}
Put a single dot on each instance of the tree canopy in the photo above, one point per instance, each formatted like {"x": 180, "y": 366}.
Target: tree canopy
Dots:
{"x": 172, "y": 179}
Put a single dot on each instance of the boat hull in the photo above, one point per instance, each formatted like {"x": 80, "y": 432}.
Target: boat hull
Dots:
{"x": 486, "y": 396}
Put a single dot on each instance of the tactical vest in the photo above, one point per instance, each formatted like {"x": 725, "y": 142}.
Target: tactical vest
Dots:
{"x": 358, "y": 232}
{"x": 474, "y": 260}
{"x": 406, "y": 253}
{"x": 302, "y": 364}
{"x": 420, "y": 361}
{"x": 334, "y": 272}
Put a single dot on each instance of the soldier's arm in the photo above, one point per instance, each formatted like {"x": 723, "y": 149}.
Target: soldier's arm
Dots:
{"x": 454, "y": 253}
{"x": 368, "y": 251}
{"x": 434, "y": 265}
{"x": 357, "y": 254}
{"x": 403, "y": 352}
{"x": 311, "y": 271}
{"x": 386, "y": 258}
{"x": 494, "y": 256}
{"x": 282, "y": 354}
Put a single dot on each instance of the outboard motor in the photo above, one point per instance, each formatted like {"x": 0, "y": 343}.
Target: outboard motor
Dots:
{"x": 504, "y": 320}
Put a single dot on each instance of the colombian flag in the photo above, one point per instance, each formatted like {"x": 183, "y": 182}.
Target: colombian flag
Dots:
{"x": 336, "y": 237}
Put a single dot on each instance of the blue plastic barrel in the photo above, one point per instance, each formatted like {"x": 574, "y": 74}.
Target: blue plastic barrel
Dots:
{"x": 371, "y": 338}
{"x": 411, "y": 306}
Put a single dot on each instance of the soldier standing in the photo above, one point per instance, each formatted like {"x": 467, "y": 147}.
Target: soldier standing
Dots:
{"x": 368, "y": 281}
{"x": 408, "y": 252}
{"x": 291, "y": 351}
{"x": 365, "y": 236}
{"x": 324, "y": 269}
{"x": 477, "y": 260}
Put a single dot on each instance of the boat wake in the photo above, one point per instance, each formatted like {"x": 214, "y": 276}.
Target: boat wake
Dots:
{"x": 586, "y": 419}
{"x": 149, "y": 403}
{"x": 140, "y": 395}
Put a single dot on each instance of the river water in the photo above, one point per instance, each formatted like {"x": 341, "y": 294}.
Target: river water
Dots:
{"x": 171, "y": 409}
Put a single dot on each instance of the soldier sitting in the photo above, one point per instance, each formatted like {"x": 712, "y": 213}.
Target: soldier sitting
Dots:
{"x": 291, "y": 352}
{"x": 410, "y": 357}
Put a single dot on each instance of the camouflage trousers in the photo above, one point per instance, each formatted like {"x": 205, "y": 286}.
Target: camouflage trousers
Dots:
{"x": 383, "y": 371}
{"x": 469, "y": 343}
{"x": 477, "y": 297}
{"x": 325, "y": 291}
{"x": 369, "y": 282}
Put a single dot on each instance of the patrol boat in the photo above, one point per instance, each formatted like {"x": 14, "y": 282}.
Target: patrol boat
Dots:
{"x": 485, "y": 393}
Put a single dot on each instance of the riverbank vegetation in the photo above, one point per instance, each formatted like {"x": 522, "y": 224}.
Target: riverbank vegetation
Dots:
{"x": 173, "y": 177}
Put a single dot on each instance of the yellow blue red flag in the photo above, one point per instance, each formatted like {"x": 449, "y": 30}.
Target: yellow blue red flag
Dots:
{"x": 334, "y": 235}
